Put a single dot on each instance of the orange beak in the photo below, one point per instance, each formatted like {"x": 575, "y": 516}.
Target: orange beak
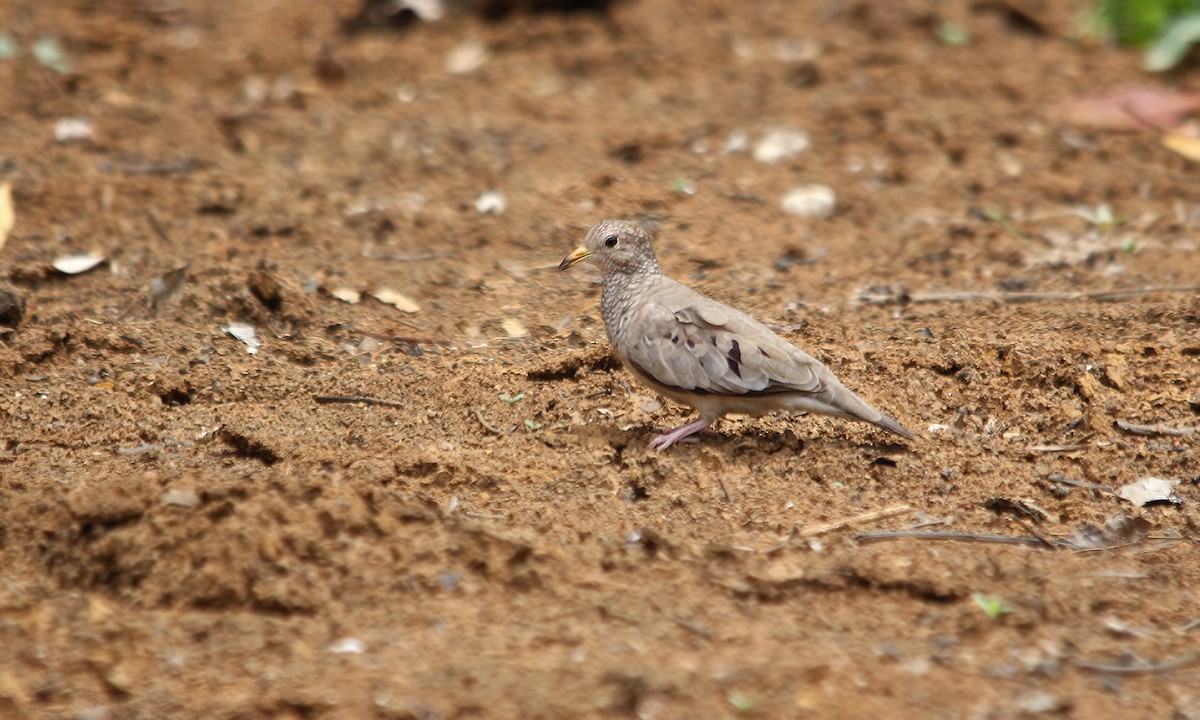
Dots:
{"x": 577, "y": 256}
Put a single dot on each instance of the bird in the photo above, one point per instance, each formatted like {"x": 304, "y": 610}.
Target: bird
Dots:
{"x": 701, "y": 352}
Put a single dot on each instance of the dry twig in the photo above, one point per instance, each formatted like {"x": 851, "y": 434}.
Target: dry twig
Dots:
{"x": 330, "y": 399}
{"x": 483, "y": 421}
{"x": 1064, "y": 480}
{"x": 880, "y": 535}
{"x": 866, "y": 517}
{"x": 1155, "y": 429}
{"x": 936, "y": 297}
{"x": 1141, "y": 668}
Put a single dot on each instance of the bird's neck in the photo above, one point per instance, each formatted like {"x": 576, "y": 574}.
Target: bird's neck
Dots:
{"x": 621, "y": 293}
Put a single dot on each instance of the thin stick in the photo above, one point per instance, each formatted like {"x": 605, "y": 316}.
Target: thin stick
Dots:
{"x": 1190, "y": 625}
{"x": 483, "y": 421}
{"x": 475, "y": 515}
{"x": 1134, "y": 669}
{"x": 1058, "y": 448}
{"x": 880, "y": 535}
{"x": 410, "y": 339}
{"x": 1033, "y": 531}
{"x": 866, "y": 517}
{"x": 1030, "y": 296}
{"x": 157, "y": 224}
{"x": 1079, "y": 484}
{"x": 692, "y": 628}
{"x": 1155, "y": 429}
{"x": 329, "y": 399}
{"x": 721, "y": 482}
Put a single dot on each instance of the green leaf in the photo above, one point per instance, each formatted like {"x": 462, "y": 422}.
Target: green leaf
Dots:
{"x": 683, "y": 186}
{"x": 741, "y": 701}
{"x": 1136, "y": 23}
{"x": 533, "y": 424}
{"x": 1174, "y": 44}
{"x": 8, "y": 46}
{"x": 951, "y": 34}
{"x": 49, "y": 52}
{"x": 511, "y": 399}
{"x": 992, "y": 605}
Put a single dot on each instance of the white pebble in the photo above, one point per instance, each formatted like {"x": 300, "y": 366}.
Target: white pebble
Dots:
{"x": 427, "y": 10}
{"x": 815, "y": 201}
{"x": 466, "y": 58}
{"x": 737, "y": 141}
{"x": 491, "y": 202}
{"x": 348, "y": 645}
{"x": 780, "y": 144}
{"x": 73, "y": 129}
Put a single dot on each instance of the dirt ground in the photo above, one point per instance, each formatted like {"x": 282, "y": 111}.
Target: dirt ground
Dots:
{"x": 186, "y": 531}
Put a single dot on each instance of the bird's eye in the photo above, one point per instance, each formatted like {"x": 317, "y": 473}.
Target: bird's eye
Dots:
{"x": 610, "y": 241}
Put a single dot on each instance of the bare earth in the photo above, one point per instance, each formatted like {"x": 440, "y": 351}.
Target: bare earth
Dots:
{"x": 185, "y": 531}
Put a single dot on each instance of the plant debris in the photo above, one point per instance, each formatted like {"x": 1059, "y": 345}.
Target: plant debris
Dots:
{"x": 1150, "y": 490}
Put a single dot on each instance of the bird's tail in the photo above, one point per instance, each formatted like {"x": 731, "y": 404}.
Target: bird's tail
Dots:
{"x": 889, "y": 424}
{"x": 852, "y": 407}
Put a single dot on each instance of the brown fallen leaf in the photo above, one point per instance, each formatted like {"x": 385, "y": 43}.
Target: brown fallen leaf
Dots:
{"x": 514, "y": 328}
{"x": 346, "y": 295}
{"x": 168, "y": 287}
{"x": 7, "y": 216}
{"x": 1130, "y": 110}
{"x": 396, "y": 299}
{"x": 1182, "y": 144}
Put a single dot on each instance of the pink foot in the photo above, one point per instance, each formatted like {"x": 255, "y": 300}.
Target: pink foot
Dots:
{"x": 679, "y": 434}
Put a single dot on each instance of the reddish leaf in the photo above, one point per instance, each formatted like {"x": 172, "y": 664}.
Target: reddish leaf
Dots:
{"x": 1131, "y": 109}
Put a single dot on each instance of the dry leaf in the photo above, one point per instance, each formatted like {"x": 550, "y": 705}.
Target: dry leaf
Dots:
{"x": 513, "y": 328}
{"x": 399, "y": 300}
{"x": 7, "y": 217}
{"x": 168, "y": 286}
{"x": 1150, "y": 489}
{"x": 76, "y": 264}
{"x": 1119, "y": 530}
{"x": 246, "y": 334}
{"x": 1185, "y": 145}
{"x": 347, "y": 295}
{"x": 1131, "y": 109}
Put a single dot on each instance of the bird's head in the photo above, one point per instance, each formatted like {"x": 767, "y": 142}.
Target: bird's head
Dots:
{"x": 620, "y": 246}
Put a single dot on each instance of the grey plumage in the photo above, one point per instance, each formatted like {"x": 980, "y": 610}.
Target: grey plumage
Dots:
{"x": 700, "y": 352}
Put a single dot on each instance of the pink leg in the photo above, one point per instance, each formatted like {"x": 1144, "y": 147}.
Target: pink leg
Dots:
{"x": 669, "y": 438}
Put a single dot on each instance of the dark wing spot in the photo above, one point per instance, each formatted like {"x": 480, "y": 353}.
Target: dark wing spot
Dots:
{"x": 735, "y": 351}
{"x": 734, "y": 366}
{"x": 674, "y": 339}
{"x": 691, "y": 343}
{"x": 713, "y": 340}
{"x": 764, "y": 353}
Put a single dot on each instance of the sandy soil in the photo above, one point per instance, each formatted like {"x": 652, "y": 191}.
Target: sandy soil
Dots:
{"x": 185, "y": 531}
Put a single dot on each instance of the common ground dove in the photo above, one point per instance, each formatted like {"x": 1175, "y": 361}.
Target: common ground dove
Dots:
{"x": 703, "y": 353}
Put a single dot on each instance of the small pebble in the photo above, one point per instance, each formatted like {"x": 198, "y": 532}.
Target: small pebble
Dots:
{"x": 780, "y": 144}
{"x": 466, "y": 58}
{"x": 74, "y": 129}
{"x": 815, "y": 201}
{"x": 491, "y": 202}
{"x": 12, "y": 306}
{"x": 182, "y": 497}
{"x": 348, "y": 645}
